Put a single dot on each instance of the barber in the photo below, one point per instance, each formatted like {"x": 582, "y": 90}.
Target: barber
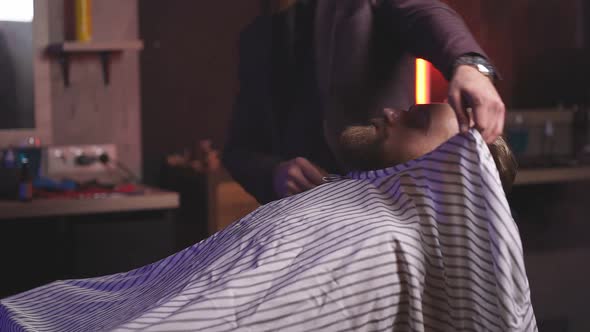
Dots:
{"x": 292, "y": 61}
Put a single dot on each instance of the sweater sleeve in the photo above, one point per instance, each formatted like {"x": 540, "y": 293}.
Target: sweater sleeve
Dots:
{"x": 431, "y": 30}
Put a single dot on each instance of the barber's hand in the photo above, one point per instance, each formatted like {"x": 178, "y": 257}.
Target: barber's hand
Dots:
{"x": 470, "y": 90}
{"x": 295, "y": 176}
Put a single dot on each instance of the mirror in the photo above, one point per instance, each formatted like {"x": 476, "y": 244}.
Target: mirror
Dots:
{"x": 16, "y": 64}
{"x": 25, "y": 80}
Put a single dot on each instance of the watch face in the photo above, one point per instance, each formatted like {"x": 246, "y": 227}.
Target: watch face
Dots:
{"x": 483, "y": 69}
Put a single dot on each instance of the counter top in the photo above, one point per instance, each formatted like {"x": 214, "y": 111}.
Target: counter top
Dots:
{"x": 148, "y": 199}
{"x": 552, "y": 175}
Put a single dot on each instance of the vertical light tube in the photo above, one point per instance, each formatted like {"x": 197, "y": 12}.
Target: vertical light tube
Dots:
{"x": 422, "y": 81}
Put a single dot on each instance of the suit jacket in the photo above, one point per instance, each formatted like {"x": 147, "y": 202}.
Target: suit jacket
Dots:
{"x": 293, "y": 62}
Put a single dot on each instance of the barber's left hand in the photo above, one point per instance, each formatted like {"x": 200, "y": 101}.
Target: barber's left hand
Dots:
{"x": 471, "y": 89}
{"x": 295, "y": 176}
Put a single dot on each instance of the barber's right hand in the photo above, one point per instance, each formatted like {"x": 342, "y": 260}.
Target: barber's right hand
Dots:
{"x": 295, "y": 176}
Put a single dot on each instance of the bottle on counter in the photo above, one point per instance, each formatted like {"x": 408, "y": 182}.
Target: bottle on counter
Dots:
{"x": 548, "y": 142}
{"x": 8, "y": 158}
{"x": 25, "y": 183}
{"x": 518, "y": 136}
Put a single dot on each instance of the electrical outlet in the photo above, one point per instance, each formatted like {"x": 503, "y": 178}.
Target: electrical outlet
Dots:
{"x": 78, "y": 159}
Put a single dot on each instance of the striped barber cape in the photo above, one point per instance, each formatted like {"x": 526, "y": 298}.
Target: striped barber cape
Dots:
{"x": 429, "y": 245}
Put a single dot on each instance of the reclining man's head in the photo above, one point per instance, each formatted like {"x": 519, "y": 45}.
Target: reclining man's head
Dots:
{"x": 377, "y": 137}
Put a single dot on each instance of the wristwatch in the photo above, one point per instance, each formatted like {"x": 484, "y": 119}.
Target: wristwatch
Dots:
{"x": 478, "y": 62}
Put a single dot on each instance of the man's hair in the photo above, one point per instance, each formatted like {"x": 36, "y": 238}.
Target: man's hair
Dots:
{"x": 360, "y": 148}
{"x": 505, "y": 162}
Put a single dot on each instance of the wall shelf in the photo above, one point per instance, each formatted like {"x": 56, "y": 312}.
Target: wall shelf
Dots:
{"x": 104, "y": 50}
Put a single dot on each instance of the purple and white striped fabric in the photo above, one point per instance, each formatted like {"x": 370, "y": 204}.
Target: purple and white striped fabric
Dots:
{"x": 429, "y": 245}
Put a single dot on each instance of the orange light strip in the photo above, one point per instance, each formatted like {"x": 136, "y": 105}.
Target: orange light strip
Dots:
{"x": 422, "y": 81}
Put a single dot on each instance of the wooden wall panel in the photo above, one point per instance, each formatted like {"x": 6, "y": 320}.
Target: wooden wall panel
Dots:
{"x": 88, "y": 112}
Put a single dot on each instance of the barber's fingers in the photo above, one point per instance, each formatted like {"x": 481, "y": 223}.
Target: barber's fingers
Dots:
{"x": 312, "y": 173}
{"x": 456, "y": 102}
{"x": 470, "y": 116}
{"x": 489, "y": 119}
{"x": 284, "y": 183}
{"x": 292, "y": 188}
{"x": 295, "y": 174}
{"x": 500, "y": 120}
{"x": 495, "y": 127}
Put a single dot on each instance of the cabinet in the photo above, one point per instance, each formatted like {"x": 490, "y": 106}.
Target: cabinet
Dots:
{"x": 46, "y": 240}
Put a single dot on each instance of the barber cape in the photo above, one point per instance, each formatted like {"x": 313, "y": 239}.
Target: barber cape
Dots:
{"x": 429, "y": 245}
